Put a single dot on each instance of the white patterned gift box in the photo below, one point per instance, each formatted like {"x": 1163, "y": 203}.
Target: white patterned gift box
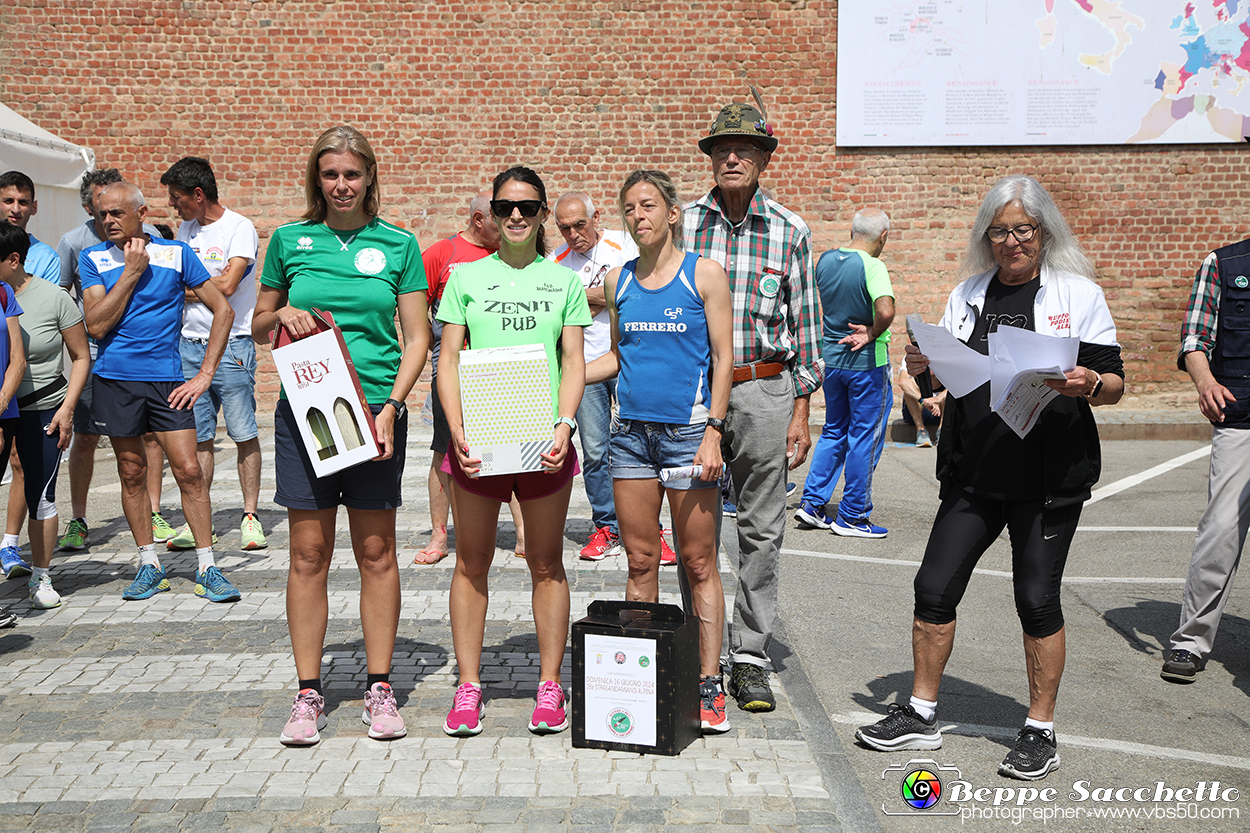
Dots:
{"x": 505, "y": 397}
{"x": 321, "y": 385}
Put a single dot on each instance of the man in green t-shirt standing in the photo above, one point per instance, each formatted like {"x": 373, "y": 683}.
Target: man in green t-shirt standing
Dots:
{"x": 858, "y": 305}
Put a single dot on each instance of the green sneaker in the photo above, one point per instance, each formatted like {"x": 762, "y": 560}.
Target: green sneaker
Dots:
{"x": 161, "y": 530}
{"x": 251, "y": 533}
{"x": 75, "y": 537}
{"x": 184, "y": 540}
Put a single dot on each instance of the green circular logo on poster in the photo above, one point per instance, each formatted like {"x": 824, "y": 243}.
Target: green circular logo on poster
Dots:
{"x": 644, "y": 661}
{"x": 769, "y": 286}
{"x": 621, "y": 723}
{"x": 1241, "y": 281}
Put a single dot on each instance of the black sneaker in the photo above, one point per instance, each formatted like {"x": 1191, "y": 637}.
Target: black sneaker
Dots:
{"x": 1181, "y": 667}
{"x": 901, "y": 728}
{"x": 7, "y": 618}
{"x": 748, "y": 684}
{"x": 1033, "y": 757}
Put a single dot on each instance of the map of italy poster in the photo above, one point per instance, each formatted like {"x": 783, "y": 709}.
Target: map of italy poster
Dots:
{"x": 1043, "y": 72}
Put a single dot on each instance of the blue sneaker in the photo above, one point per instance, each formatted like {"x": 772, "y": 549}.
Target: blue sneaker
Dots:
{"x": 215, "y": 587}
{"x": 861, "y": 529}
{"x": 12, "y": 563}
{"x": 809, "y": 514}
{"x": 791, "y": 488}
{"x": 150, "y": 581}
{"x": 729, "y": 509}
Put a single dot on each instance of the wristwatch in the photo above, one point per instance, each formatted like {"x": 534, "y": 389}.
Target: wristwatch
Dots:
{"x": 571, "y": 423}
{"x": 396, "y": 404}
{"x": 1097, "y": 388}
{"x": 718, "y": 424}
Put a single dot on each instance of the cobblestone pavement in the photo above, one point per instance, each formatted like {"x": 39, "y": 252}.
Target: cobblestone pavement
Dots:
{"x": 164, "y": 714}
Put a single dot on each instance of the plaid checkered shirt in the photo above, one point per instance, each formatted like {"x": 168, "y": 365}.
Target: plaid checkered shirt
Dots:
{"x": 768, "y": 257}
{"x": 1198, "y": 330}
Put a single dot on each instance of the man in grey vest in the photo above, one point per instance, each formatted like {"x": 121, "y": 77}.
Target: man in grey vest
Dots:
{"x": 1215, "y": 351}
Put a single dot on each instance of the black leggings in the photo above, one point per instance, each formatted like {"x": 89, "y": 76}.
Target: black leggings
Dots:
{"x": 965, "y": 527}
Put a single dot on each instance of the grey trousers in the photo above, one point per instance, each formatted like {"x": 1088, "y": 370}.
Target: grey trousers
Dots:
{"x": 754, "y": 448}
{"x": 1217, "y": 547}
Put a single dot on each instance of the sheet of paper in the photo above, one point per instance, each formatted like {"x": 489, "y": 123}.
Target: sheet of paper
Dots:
{"x": 957, "y": 365}
{"x": 1013, "y": 350}
{"x": 1025, "y": 397}
{"x": 620, "y": 694}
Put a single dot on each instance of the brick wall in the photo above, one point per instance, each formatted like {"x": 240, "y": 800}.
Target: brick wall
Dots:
{"x": 450, "y": 93}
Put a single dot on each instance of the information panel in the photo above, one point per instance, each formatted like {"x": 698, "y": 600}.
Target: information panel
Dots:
{"x": 1026, "y": 72}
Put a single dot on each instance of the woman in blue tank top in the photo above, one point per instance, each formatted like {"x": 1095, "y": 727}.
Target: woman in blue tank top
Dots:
{"x": 672, "y": 344}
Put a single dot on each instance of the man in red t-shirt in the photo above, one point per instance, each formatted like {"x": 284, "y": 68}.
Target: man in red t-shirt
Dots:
{"x": 479, "y": 239}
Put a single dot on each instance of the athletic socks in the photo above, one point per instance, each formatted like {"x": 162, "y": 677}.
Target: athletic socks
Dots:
{"x": 370, "y": 679}
{"x": 205, "y": 557}
{"x": 1048, "y": 725}
{"x": 147, "y": 555}
{"x": 39, "y": 572}
{"x": 314, "y": 684}
{"x": 10, "y": 541}
{"x": 925, "y": 708}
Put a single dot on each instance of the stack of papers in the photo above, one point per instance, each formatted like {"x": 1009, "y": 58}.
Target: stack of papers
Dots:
{"x": 1017, "y": 367}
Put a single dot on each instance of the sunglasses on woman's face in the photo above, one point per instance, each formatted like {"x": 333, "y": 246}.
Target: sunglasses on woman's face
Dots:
{"x": 504, "y": 208}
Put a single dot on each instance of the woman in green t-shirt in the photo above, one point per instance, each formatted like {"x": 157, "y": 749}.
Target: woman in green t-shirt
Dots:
{"x": 344, "y": 259}
{"x": 514, "y": 297}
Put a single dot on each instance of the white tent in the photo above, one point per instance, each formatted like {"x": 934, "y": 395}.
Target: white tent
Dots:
{"x": 56, "y": 166}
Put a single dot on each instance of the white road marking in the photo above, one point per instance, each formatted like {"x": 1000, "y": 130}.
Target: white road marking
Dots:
{"x": 895, "y": 562}
{"x": 1103, "y": 744}
{"x": 1115, "y": 488}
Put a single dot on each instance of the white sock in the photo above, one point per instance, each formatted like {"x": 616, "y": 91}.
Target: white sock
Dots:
{"x": 1048, "y": 725}
{"x": 925, "y": 708}
{"x": 147, "y": 555}
{"x": 205, "y": 555}
{"x": 37, "y": 573}
{"x": 10, "y": 541}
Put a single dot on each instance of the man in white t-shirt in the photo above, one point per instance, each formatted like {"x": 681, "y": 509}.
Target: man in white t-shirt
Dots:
{"x": 592, "y": 252}
{"x": 226, "y": 243}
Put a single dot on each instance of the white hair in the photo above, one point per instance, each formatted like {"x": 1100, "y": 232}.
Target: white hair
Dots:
{"x": 579, "y": 195}
{"x": 869, "y": 224}
{"x": 133, "y": 196}
{"x": 1060, "y": 248}
{"x": 480, "y": 204}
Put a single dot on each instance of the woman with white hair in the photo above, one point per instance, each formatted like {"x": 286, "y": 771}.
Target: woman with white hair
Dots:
{"x": 1027, "y": 270}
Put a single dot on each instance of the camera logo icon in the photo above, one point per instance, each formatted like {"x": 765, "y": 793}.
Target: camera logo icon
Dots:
{"x": 920, "y": 788}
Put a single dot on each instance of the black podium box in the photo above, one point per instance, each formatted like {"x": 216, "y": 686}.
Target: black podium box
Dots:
{"x": 635, "y": 678}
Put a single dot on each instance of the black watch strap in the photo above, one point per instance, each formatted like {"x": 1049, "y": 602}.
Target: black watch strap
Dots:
{"x": 396, "y": 404}
{"x": 718, "y": 424}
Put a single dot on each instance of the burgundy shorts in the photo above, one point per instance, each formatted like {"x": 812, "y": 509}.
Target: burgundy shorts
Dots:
{"x": 530, "y": 485}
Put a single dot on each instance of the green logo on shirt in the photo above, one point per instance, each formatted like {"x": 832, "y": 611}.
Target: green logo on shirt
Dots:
{"x": 769, "y": 286}
{"x": 1241, "y": 282}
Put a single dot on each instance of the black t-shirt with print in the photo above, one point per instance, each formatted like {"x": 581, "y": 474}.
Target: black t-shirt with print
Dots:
{"x": 990, "y": 460}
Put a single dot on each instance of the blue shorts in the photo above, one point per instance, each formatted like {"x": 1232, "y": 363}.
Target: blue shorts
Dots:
{"x": 638, "y": 450}
{"x": 371, "y": 485}
{"x": 233, "y": 391}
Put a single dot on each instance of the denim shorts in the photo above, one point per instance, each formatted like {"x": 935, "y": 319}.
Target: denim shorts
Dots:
{"x": 233, "y": 391}
{"x": 638, "y": 450}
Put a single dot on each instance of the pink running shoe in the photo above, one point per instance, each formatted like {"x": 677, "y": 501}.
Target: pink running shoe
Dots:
{"x": 381, "y": 714}
{"x": 308, "y": 715}
{"x": 465, "y": 718}
{"x": 549, "y": 715}
{"x": 668, "y": 558}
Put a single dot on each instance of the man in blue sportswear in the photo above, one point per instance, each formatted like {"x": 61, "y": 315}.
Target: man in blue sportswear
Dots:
{"x": 133, "y": 286}
{"x": 858, "y": 305}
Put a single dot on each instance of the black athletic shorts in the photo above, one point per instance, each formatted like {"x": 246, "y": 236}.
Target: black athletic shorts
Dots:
{"x": 125, "y": 408}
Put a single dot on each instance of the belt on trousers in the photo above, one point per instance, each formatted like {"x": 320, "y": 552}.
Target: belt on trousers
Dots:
{"x": 759, "y": 370}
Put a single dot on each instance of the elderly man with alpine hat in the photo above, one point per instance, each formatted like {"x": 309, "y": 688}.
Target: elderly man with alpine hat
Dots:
{"x": 766, "y": 251}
